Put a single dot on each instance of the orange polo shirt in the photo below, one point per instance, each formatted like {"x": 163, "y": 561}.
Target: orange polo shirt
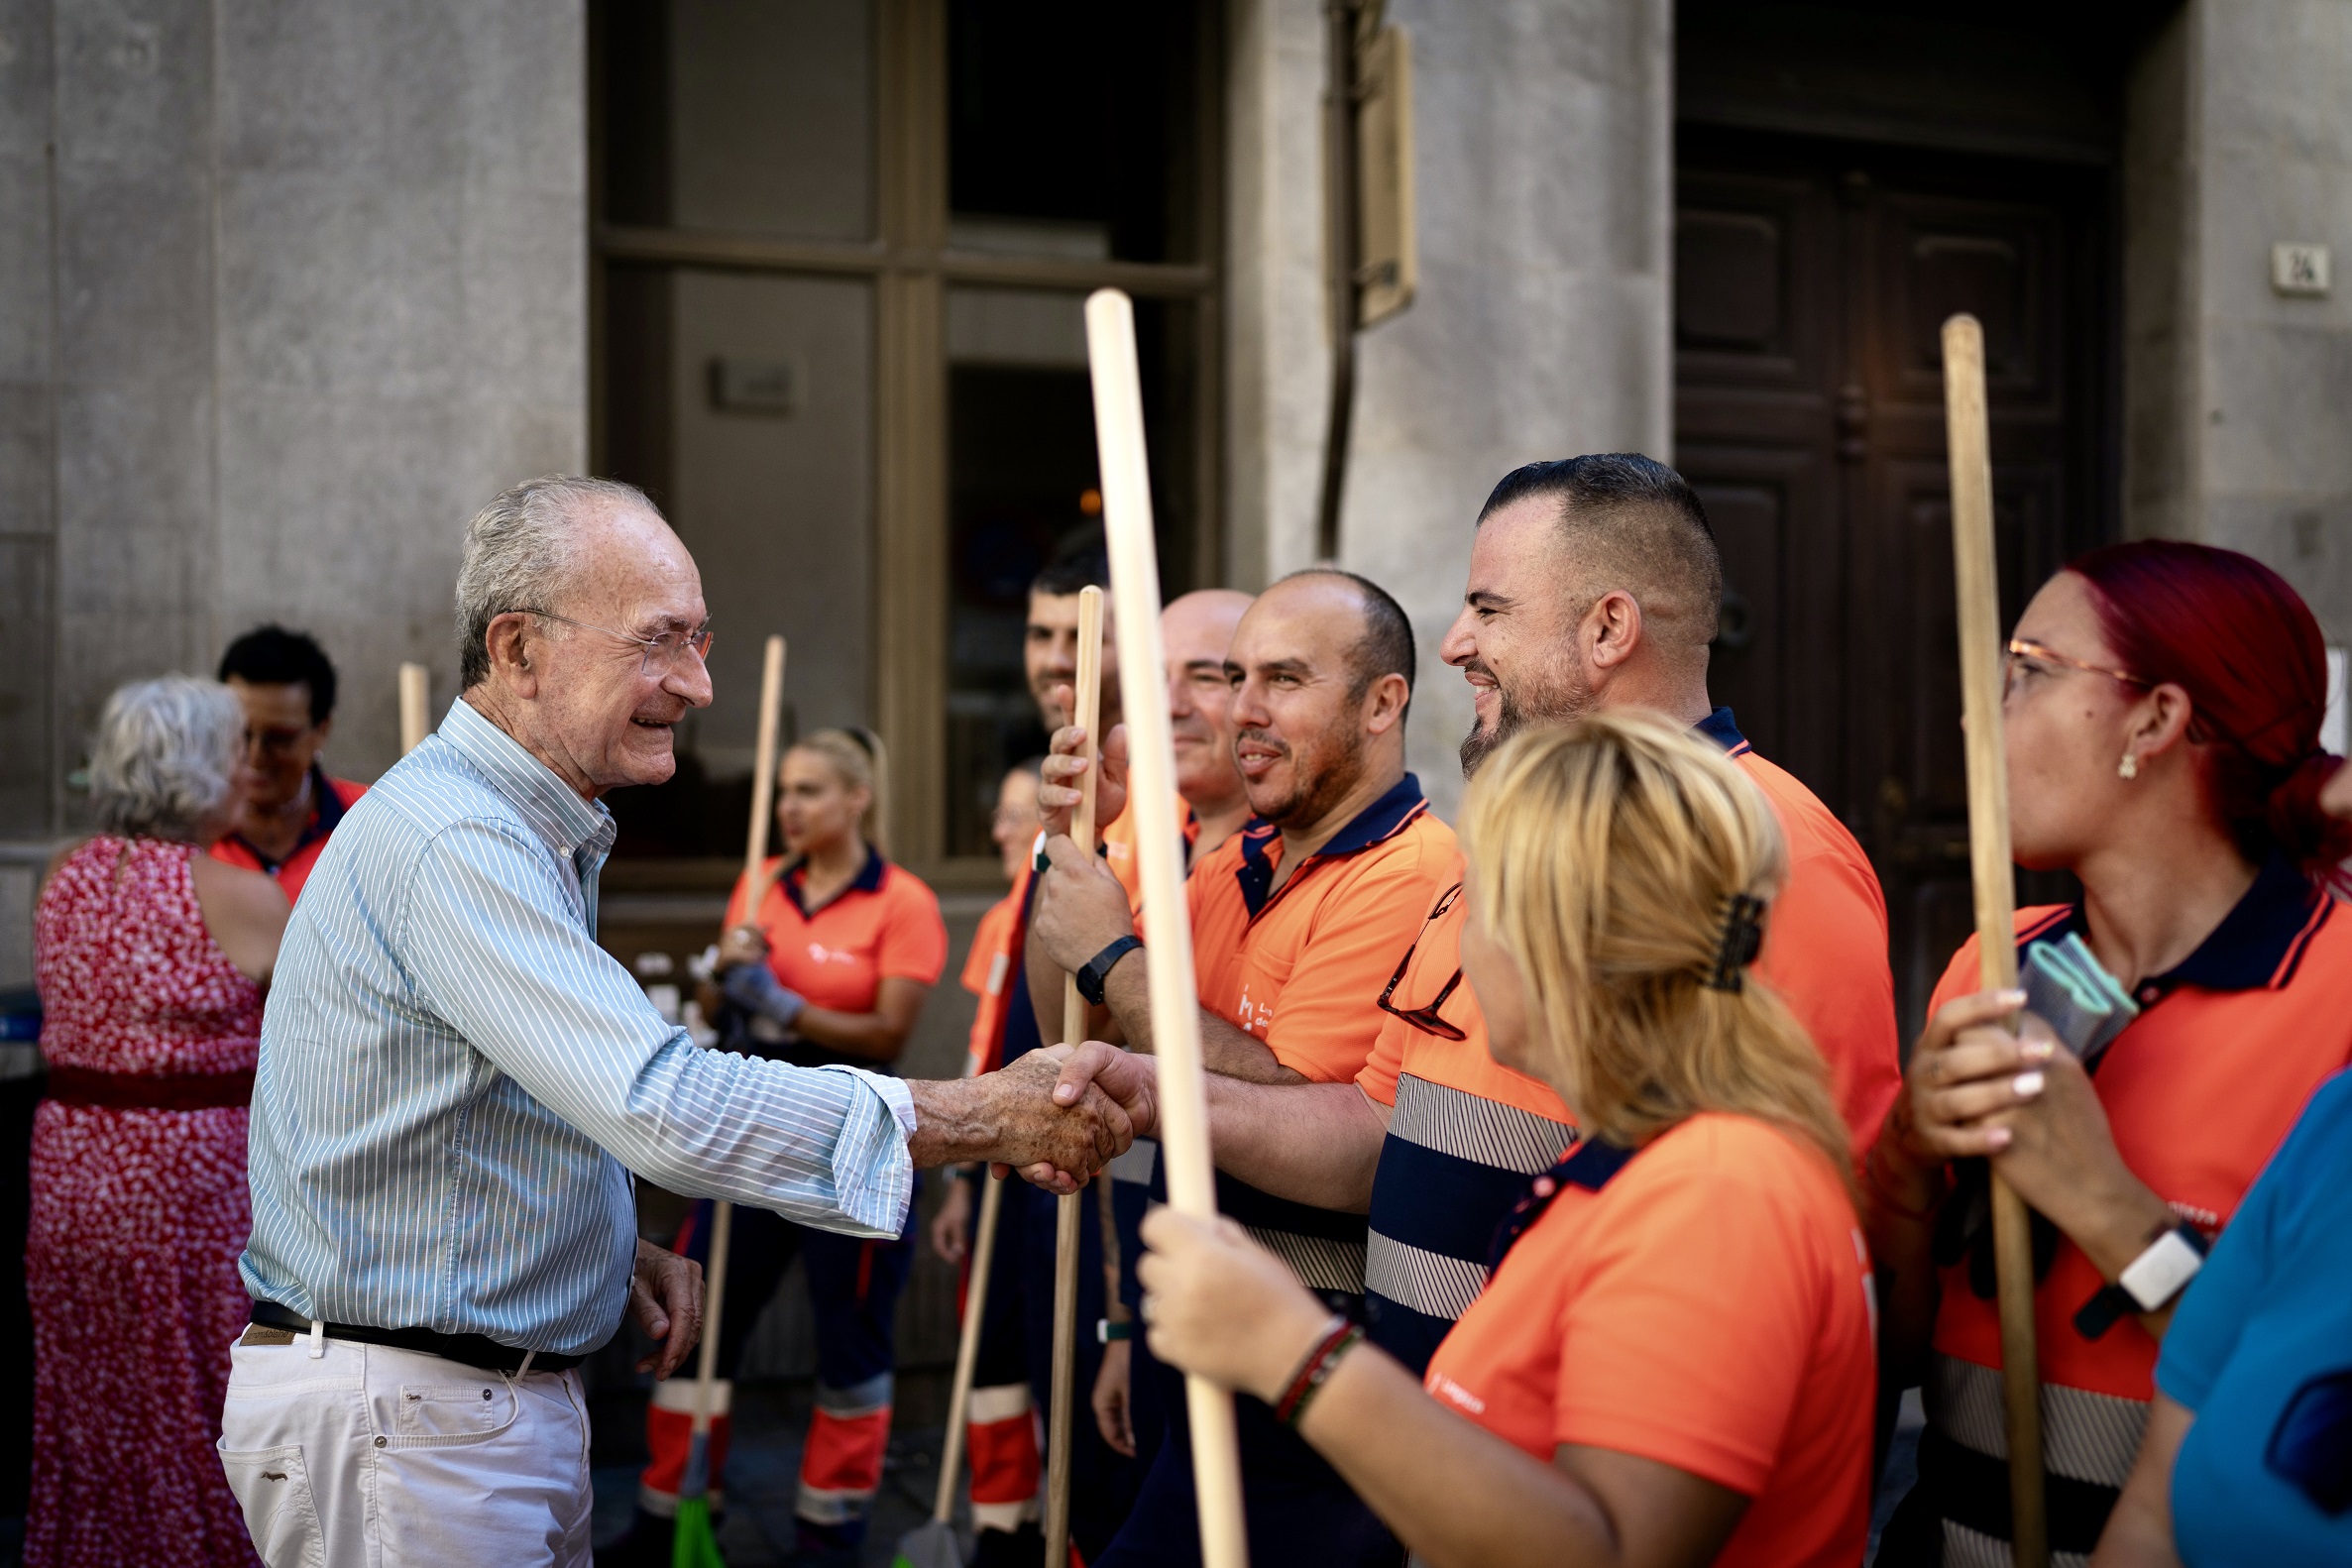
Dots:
{"x": 1298, "y": 966}
{"x": 1118, "y": 852}
{"x": 330, "y": 798}
{"x": 988, "y": 971}
{"x": 885, "y": 925}
{"x": 1467, "y": 1131}
{"x": 2198, "y": 1091}
{"x": 1704, "y": 1303}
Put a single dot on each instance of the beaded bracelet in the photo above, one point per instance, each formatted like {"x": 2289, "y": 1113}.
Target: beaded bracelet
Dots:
{"x": 1315, "y": 1371}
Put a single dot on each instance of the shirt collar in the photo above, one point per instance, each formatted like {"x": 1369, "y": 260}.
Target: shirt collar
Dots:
{"x": 1590, "y": 1163}
{"x": 1722, "y": 728}
{"x": 868, "y": 880}
{"x": 326, "y": 815}
{"x": 2258, "y": 945}
{"x": 1375, "y": 823}
{"x": 568, "y": 824}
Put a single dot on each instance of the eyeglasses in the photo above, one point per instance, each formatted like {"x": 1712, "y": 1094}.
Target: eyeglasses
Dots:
{"x": 1425, "y": 1019}
{"x": 2024, "y": 654}
{"x": 660, "y": 655}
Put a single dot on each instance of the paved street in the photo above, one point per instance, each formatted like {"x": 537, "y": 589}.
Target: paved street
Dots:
{"x": 761, "y": 1471}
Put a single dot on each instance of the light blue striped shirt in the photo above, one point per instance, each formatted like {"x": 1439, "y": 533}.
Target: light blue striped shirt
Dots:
{"x": 454, "y": 1074}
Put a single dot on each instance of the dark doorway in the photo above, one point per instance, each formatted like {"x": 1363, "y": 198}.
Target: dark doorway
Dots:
{"x": 1812, "y": 277}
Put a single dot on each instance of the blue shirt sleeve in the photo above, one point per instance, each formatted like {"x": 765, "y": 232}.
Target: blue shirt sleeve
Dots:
{"x": 493, "y": 946}
{"x": 2214, "y": 1309}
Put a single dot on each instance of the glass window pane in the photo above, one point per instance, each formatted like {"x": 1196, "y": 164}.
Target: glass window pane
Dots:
{"x": 745, "y": 403}
{"x": 1021, "y": 470}
{"x": 1073, "y": 126}
{"x": 750, "y": 116}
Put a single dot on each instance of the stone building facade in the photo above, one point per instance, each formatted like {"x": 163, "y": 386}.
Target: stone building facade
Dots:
{"x": 286, "y": 291}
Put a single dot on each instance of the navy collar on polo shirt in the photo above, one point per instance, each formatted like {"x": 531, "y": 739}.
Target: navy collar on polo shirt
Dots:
{"x": 1592, "y": 1165}
{"x": 868, "y": 879}
{"x": 2258, "y": 943}
{"x": 1722, "y": 728}
{"x": 1375, "y": 823}
{"x": 326, "y": 814}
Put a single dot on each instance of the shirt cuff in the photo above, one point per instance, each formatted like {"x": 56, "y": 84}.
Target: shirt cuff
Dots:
{"x": 873, "y": 1174}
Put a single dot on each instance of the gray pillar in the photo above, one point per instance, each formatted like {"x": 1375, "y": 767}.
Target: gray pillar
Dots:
{"x": 2239, "y": 136}
{"x": 285, "y": 294}
{"x": 1542, "y": 328}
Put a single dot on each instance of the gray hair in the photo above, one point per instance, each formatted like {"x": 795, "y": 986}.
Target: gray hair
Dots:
{"x": 518, "y": 553}
{"x": 166, "y": 756}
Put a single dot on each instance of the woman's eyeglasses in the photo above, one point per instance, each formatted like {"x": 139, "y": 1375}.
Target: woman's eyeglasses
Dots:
{"x": 1427, "y": 1019}
{"x": 2028, "y": 657}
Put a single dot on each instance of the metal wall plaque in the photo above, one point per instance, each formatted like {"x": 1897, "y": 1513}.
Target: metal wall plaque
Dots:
{"x": 2300, "y": 269}
{"x": 748, "y": 386}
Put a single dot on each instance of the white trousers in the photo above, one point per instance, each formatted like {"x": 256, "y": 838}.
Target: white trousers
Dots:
{"x": 369, "y": 1457}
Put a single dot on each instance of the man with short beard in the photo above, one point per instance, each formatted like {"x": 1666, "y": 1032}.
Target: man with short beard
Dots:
{"x": 1294, "y": 921}
{"x": 1594, "y": 584}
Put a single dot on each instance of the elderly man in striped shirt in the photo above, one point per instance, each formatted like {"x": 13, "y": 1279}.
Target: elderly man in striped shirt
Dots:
{"x": 456, "y": 1082}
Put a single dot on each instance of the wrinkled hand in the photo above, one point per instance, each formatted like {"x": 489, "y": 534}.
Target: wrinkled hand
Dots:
{"x": 1131, "y": 1079}
{"x": 1079, "y": 909}
{"x": 665, "y": 1299}
{"x": 1115, "y": 1414}
{"x": 948, "y": 1226}
{"x": 742, "y": 944}
{"x": 1065, "y": 769}
{"x": 1218, "y": 1304}
{"x": 1055, "y": 1141}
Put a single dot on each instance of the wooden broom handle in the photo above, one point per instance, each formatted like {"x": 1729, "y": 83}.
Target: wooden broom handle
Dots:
{"x": 968, "y": 1344}
{"x": 756, "y": 854}
{"x": 415, "y": 706}
{"x": 763, "y": 781}
{"x": 1151, "y": 795}
{"x": 1087, "y": 710}
{"x": 1977, "y": 587}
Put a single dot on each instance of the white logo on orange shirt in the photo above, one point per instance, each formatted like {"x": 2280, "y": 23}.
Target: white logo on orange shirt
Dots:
{"x": 821, "y": 954}
{"x": 1252, "y": 1019}
{"x": 1446, "y": 1388}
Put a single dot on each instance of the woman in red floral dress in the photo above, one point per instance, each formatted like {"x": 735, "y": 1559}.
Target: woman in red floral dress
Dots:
{"x": 151, "y": 958}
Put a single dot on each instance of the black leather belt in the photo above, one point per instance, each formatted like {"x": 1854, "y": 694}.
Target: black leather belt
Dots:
{"x": 473, "y": 1350}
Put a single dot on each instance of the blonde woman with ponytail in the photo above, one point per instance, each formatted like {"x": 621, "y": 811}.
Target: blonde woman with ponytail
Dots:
{"x": 1672, "y": 1361}
{"x": 831, "y": 968}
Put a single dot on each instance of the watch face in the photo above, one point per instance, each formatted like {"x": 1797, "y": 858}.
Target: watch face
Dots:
{"x": 2311, "y": 1447}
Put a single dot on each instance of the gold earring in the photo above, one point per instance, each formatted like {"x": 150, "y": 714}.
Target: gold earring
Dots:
{"x": 2129, "y": 767}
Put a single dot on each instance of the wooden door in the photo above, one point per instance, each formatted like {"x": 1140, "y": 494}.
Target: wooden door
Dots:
{"x": 1812, "y": 280}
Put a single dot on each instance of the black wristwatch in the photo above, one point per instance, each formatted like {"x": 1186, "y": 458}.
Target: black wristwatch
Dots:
{"x": 1098, "y": 968}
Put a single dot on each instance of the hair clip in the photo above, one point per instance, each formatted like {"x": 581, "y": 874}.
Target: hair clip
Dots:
{"x": 1743, "y": 940}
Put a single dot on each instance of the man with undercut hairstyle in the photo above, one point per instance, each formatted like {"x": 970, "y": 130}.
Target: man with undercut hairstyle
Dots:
{"x": 1294, "y": 921}
{"x": 1595, "y": 583}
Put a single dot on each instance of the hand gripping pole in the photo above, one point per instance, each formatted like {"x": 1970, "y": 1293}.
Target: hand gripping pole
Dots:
{"x": 1086, "y": 712}
{"x": 1976, "y": 585}
{"x": 1151, "y": 795}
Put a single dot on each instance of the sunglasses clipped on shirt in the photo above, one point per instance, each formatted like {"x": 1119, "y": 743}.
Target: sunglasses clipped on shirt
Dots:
{"x": 1427, "y": 1019}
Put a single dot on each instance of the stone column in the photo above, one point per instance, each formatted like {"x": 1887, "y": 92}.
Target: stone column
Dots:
{"x": 1544, "y": 145}
{"x": 2239, "y": 135}
{"x": 285, "y": 294}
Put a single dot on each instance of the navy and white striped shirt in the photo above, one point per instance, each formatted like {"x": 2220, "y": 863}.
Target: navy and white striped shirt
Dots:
{"x": 454, "y": 1074}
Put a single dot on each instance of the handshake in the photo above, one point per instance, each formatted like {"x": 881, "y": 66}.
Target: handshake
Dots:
{"x": 1056, "y": 1115}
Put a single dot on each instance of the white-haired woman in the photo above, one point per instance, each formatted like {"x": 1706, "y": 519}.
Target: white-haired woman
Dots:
{"x": 151, "y": 958}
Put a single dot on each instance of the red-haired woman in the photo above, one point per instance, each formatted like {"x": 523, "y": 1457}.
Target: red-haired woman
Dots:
{"x": 2161, "y": 712}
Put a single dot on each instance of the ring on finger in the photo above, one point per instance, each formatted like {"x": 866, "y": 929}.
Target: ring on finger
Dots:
{"x": 1148, "y": 1310}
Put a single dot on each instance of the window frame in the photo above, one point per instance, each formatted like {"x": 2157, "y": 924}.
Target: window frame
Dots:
{"x": 912, "y": 267}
